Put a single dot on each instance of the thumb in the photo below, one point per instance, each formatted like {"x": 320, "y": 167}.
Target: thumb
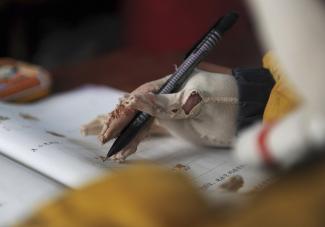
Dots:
{"x": 166, "y": 106}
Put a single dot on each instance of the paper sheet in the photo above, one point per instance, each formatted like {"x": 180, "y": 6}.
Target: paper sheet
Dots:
{"x": 22, "y": 191}
{"x": 46, "y": 137}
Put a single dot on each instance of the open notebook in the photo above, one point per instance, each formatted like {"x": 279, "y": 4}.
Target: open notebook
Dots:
{"x": 45, "y": 136}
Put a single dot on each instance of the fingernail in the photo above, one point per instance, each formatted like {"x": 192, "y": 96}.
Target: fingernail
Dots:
{"x": 121, "y": 160}
{"x": 113, "y": 157}
{"x": 105, "y": 135}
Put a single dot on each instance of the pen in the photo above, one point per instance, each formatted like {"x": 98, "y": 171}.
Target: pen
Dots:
{"x": 192, "y": 59}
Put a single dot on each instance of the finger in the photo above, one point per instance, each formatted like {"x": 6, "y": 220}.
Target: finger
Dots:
{"x": 113, "y": 157}
{"x": 122, "y": 155}
{"x": 157, "y": 130}
{"x": 94, "y": 127}
{"x": 166, "y": 106}
{"x": 155, "y": 105}
{"x": 132, "y": 146}
{"x": 152, "y": 86}
{"x": 124, "y": 113}
{"x": 115, "y": 122}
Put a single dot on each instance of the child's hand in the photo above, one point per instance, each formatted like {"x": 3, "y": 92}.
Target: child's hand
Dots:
{"x": 203, "y": 111}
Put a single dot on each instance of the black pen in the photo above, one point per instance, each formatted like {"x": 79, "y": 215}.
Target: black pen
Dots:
{"x": 192, "y": 59}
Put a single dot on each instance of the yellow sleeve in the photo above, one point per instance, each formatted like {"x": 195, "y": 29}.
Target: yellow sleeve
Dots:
{"x": 283, "y": 99}
{"x": 142, "y": 195}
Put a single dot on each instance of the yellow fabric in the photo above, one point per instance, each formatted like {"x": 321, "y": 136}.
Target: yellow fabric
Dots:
{"x": 283, "y": 99}
{"x": 143, "y": 195}
{"x": 147, "y": 195}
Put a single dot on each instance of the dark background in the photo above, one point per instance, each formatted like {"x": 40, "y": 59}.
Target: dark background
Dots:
{"x": 120, "y": 43}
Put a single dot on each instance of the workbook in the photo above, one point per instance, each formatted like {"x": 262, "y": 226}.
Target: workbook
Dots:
{"x": 45, "y": 137}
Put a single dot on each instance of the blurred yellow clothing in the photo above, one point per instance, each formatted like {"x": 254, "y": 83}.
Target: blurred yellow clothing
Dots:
{"x": 142, "y": 195}
{"x": 283, "y": 99}
{"x": 150, "y": 196}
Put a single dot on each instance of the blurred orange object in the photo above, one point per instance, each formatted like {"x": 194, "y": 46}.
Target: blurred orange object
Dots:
{"x": 22, "y": 82}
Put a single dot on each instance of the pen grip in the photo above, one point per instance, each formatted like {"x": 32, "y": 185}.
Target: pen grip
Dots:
{"x": 185, "y": 69}
{"x": 198, "y": 53}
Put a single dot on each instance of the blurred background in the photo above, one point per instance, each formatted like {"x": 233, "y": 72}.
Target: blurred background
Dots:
{"x": 121, "y": 43}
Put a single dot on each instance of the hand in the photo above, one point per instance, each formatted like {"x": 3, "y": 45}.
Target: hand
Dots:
{"x": 203, "y": 111}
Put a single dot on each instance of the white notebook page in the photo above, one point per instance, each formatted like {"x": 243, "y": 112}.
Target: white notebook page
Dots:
{"x": 45, "y": 136}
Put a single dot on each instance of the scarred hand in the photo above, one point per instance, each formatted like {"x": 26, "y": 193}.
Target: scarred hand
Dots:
{"x": 203, "y": 111}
